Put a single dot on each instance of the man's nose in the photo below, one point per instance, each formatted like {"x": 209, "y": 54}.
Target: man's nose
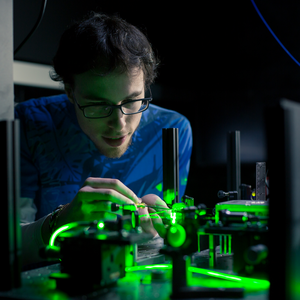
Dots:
{"x": 117, "y": 120}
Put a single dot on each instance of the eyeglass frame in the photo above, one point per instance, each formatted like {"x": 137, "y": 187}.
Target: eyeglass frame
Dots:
{"x": 112, "y": 107}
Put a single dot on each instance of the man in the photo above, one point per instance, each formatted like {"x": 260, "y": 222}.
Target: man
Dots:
{"x": 101, "y": 142}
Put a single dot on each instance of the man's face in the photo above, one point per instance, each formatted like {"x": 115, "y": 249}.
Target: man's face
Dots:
{"x": 111, "y": 135}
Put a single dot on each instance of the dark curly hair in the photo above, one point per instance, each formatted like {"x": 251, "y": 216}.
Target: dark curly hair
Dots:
{"x": 106, "y": 43}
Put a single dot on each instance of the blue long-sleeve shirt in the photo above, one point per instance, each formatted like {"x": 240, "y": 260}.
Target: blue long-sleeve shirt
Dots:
{"x": 57, "y": 157}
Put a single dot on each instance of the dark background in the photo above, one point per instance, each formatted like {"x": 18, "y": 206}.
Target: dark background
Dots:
{"x": 220, "y": 67}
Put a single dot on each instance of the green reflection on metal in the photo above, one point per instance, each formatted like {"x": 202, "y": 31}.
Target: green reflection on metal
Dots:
{"x": 202, "y": 213}
{"x": 262, "y": 210}
{"x": 148, "y": 267}
{"x": 133, "y": 223}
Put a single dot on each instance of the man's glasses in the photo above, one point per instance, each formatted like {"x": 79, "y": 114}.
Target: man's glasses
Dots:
{"x": 130, "y": 107}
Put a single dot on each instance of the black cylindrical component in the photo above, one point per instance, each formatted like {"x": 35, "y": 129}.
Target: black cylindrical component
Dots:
{"x": 246, "y": 191}
{"x": 260, "y": 189}
{"x": 255, "y": 254}
{"x": 170, "y": 165}
{"x": 227, "y": 216}
{"x": 233, "y": 162}
{"x": 10, "y": 219}
{"x": 189, "y": 201}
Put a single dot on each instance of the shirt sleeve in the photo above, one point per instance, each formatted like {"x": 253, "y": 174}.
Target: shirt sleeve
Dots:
{"x": 28, "y": 210}
{"x": 32, "y": 241}
{"x": 29, "y": 172}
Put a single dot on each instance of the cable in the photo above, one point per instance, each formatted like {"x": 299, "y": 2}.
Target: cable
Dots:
{"x": 36, "y": 25}
{"x": 276, "y": 38}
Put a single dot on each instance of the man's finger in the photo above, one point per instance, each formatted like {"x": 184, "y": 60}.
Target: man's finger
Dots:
{"x": 157, "y": 222}
{"x": 146, "y": 222}
{"x": 111, "y": 184}
{"x": 91, "y": 194}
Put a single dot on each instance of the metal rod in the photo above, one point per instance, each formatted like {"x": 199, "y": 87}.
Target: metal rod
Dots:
{"x": 10, "y": 220}
{"x": 170, "y": 166}
{"x": 260, "y": 189}
{"x": 233, "y": 162}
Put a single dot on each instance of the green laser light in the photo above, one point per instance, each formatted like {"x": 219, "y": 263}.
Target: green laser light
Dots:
{"x": 60, "y": 230}
{"x": 176, "y": 235}
{"x": 248, "y": 283}
{"x": 100, "y": 225}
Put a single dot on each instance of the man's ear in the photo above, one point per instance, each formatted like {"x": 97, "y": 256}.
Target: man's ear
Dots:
{"x": 69, "y": 92}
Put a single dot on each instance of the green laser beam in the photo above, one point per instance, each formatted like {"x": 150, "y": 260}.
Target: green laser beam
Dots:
{"x": 158, "y": 207}
{"x": 158, "y": 212}
{"x": 60, "y": 230}
{"x": 247, "y": 282}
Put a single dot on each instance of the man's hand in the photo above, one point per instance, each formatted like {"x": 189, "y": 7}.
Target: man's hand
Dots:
{"x": 152, "y": 218}
{"x": 93, "y": 201}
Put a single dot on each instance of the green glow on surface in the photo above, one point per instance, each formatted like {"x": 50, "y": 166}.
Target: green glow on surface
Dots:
{"x": 101, "y": 237}
{"x": 221, "y": 243}
{"x": 202, "y": 213}
{"x": 56, "y": 294}
{"x": 100, "y": 225}
{"x": 130, "y": 207}
{"x": 173, "y": 229}
{"x": 211, "y": 262}
{"x": 178, "y": 206}
{"x": 129, "y": 255}
{"x": 176, "y": 235}
{"x": 61, "y": 275}
{"x": 198, "y": 238}
{"x": 244, "y": 218}
{"x": 130, "y": 277}
{"x": 169, "y": 196}
{"x": 133, "y": 223}
{"x": 184, "y": 181}
{"x": 159, "y": 187}
{"x": 148, "y": 267}
{"x": 262, "y": 210}
{"x": 248, "y": 283}
{"x": 225, "y": 241}
{"x": 60, "y": 230}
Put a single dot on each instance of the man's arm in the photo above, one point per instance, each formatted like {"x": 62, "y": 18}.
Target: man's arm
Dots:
{"x": 92, "y": 202}
{"x": 32, "y": 241}
{"x": 31, "y": 231}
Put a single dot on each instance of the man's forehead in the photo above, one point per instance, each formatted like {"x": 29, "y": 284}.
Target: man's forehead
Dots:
{"x": 113, "y": 85}
{"x": 118, "y": 74}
